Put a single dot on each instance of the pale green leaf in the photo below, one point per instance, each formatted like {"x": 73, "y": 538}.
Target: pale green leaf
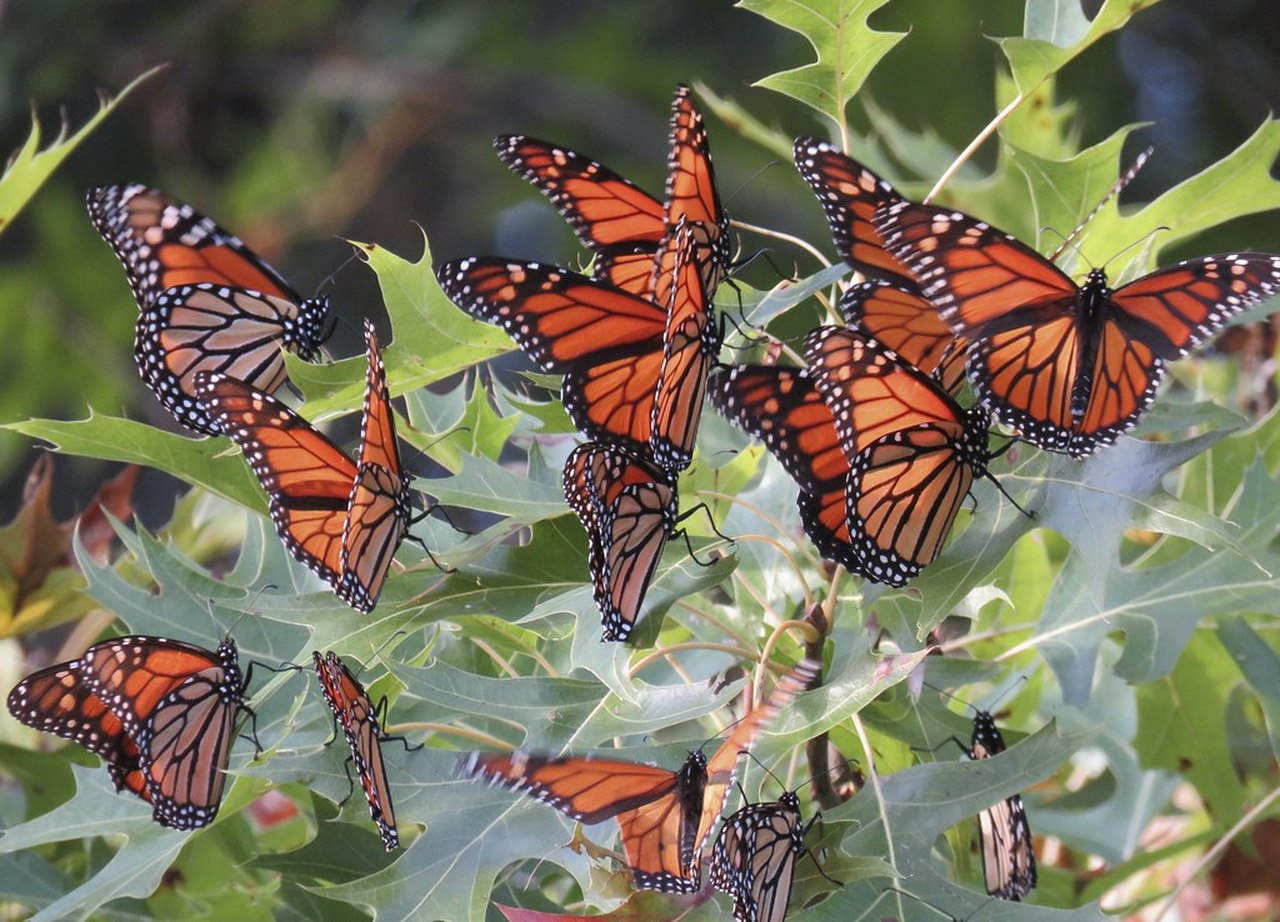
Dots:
{"x": 30, "y": 166}
{"x": 847, "y": 48}
{"x": 1056, "y": 32}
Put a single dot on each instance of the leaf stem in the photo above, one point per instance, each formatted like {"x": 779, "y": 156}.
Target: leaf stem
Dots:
{"x": 974, "y": 145}
{"x": 1212, "y": 854}
{"x": 785, "y": 237}
{"x": 665, "y": 652}
{"x": 874, "y": 777}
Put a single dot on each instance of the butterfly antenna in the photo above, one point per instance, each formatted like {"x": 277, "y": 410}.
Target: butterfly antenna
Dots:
{"x": 327, "y": 282}
{"x": 240, "y": 617}
{"x": 1143, "y": 239}
{"x": 1116, "y": 188}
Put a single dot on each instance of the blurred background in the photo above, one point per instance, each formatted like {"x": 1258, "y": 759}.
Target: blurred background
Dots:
{"x": 297, "y": 122}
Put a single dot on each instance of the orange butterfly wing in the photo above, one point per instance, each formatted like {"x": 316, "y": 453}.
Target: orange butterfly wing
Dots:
{"x": 163, "y": 243}
{"x": 782, "y": 407}
{"x": 607, "y": 343}
{"x": 355, "y": 712}
{"x": 912, "y": 450}
{"x": 691, "y": 195}
{"x": 628, "y": 510}
{"x": 850, "y": 194}
{"x": 584, "y": 789}
{"x": 308, "y": 479}
{"x": 615, "y": 219}
{"x": 55, "y": 700}
{"x": 910, "y": 326}
{"x": 891, "y": 307}
{"x": 690, "y": 345}
{"x": 379, "y": 508}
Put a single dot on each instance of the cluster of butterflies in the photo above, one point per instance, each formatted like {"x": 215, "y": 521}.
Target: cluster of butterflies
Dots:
{"x": 213, "y": 322}
{"x": 871, "y": 431}
{"x": 161, "y": 714}
{"x": 666, "y": 817}
{"x": 882, "y": 453}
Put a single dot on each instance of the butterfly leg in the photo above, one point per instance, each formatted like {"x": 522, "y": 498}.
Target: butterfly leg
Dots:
{"x": 680, "y": 532}
{"x": 804, "y": 831}
{"x": 380, "y": 712}
{"x": 422, "y": 544}
{"x": 444, "y": 514}
{"x": 253, "y": 723}
{"x": 351, "y": 782}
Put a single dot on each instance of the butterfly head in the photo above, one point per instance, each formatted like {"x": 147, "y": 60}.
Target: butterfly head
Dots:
{"x": 312, "y": 326}
{"x": 1096, "y": 281}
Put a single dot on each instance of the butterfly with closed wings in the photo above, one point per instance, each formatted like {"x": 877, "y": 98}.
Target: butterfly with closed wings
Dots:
{"x": 356, "y": 714}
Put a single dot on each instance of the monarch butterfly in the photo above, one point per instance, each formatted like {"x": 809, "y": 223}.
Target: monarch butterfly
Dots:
{"x": 160, "y": 712}
{"x": 356, "y": 714}
{"x": 634, "y": 371}
{"x": 1008, "y": 858}
{"x": 342, "y": 519}
{"x": 783, "y": 408}
{"x": 665, "y": 816}
{"x": 890, "y": 306}
{"x": 754, "y": 858}
{"x": 913, "y": 452}
{"x": 618, "y": 221}
{"x": 206, "y": 302}
{"x": 1069, "y": 366}
{"x": 628, "y": 509}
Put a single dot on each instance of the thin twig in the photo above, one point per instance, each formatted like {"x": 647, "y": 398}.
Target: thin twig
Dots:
{"x": 974, "y": 145}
